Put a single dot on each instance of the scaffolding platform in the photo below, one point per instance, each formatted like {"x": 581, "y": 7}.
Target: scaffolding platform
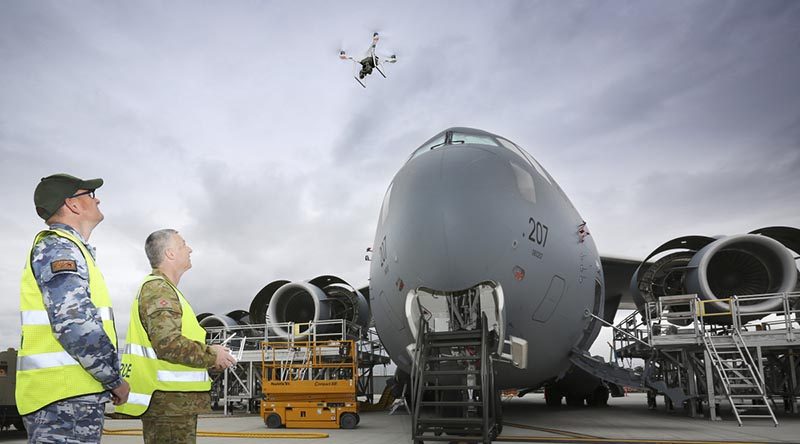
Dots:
{"x": 312, "y": 385}
{"x": 747, "y": 359}
{"x": 241, "y": 387}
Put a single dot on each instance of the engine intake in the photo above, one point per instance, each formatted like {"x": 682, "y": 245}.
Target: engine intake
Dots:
{"x": 741, "y": 265}
{"x": 717, "y": 269}
{"x": 320, "y": 299}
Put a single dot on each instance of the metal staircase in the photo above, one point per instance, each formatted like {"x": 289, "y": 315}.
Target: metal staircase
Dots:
{"x": 452, "y": 383}
{"x": 740, "y": 377}
{"x": 611, "y": 372}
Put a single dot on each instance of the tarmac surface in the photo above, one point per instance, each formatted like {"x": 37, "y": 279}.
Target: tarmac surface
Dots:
{"x": 528, "y": 419}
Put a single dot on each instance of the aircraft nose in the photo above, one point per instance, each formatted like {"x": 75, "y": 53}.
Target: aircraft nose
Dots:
{"x": 449, "y": 215}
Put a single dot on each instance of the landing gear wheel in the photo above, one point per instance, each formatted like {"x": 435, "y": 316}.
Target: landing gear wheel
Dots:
{"x": 552, "y": 397}
{"x": 348, "y": 420}
{"x": 599, "y": 397}
{"x": 575, "y": 401}
{"x": 273, "y": 421}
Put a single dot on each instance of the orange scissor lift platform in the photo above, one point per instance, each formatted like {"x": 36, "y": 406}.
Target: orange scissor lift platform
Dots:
{"x": 310, "y": 384}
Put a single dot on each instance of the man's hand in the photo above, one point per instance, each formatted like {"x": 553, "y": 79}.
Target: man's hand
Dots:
{"x": 224, "y": 357}
{"x": 119, "y": 394}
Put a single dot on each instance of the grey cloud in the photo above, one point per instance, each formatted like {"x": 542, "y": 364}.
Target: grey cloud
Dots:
{"x": 238, "y": 125}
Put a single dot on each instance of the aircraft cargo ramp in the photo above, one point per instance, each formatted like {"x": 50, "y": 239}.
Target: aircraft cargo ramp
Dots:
{"x": 612, "y": 372}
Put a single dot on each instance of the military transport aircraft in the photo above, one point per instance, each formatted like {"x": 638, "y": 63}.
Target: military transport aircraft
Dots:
{"x": 472, "y": 226}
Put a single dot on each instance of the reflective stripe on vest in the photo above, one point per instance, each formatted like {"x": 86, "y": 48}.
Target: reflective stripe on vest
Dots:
{"x": 34, "y": 317}
{"x": 46, "y": 373}
{"x": 145, "y": 372}
{"x": 45, "y": 360}
{"x": 39, "y": 317}
{"x": 139, "y": 399}
{"x": 139, "y": 350}
{"x": 183, "y": 376}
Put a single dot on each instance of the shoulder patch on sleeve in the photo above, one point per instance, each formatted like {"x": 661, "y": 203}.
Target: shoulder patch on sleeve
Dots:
{"x": 63, "y": 265}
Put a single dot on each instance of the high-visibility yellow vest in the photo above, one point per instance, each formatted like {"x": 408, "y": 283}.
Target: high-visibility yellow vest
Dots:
{"x": 46, "y": 373}
{"x": 146, "y": 373}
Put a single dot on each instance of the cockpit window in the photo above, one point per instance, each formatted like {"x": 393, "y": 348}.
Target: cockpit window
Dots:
{"x": 428, "y": 146}
{"x": 385, "y": 206}
{"x": 513, "y": 147}
{"x": 473, "y": 139}
{"x": 454, "y": 138}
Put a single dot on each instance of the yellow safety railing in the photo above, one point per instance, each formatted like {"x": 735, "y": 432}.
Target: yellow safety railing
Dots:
{"x": 211, "y": 434}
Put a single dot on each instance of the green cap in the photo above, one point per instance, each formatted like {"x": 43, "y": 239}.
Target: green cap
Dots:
{"x": 53, "y": 190}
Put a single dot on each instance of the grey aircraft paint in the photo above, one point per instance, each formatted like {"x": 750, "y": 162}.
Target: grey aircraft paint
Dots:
{"x": 468, "y": 207}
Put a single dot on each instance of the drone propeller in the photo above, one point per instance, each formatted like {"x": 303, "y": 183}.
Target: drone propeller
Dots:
{"x": 342, "y": 54}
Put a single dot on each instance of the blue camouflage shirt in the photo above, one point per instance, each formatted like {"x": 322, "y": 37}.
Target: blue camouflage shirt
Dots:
{"x": 73, "y": 317}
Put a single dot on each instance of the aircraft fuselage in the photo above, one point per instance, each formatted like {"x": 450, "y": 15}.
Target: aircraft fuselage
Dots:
{"x": 470, "y": 207}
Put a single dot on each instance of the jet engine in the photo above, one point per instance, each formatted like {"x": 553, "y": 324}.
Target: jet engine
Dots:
{"x": 716, "y": 269}
{"x": 320, "y": 299}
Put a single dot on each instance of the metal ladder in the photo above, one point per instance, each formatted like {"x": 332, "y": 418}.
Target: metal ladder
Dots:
{"x": 740, "y": 378}
{"x": 453, "y": 387}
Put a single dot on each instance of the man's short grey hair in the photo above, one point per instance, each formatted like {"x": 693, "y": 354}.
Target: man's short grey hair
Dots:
{"x": 156, "y": 244}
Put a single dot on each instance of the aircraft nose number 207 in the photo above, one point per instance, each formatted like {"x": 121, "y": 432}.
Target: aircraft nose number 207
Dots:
{"x": 538, "y": 232}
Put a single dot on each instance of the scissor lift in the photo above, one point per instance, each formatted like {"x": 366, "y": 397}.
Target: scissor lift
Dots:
{"x": 310, "y": 384}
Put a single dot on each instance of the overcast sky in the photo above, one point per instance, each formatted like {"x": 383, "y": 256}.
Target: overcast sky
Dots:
{"x": 236, "y": 123}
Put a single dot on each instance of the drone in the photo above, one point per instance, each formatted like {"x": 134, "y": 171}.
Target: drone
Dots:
{"x": 368, "y": 62}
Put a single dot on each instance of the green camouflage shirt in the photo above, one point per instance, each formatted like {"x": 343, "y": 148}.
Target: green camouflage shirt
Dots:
{"x": 160, "y": 312}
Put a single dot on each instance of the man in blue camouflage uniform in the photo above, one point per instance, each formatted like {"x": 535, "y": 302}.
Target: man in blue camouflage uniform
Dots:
{"x": 68, "y": 204}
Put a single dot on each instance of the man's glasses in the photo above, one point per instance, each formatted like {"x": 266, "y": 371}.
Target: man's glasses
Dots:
{"x": 90, "y": 193}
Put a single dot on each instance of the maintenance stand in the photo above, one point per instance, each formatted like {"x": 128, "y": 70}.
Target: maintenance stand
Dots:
{"x": 747, "y": 360}
{"x": 240, "y": 387}
{"x": 310, "y": 384}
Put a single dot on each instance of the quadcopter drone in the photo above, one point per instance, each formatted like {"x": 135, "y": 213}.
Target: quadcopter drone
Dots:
{"x": 368, "y": 62}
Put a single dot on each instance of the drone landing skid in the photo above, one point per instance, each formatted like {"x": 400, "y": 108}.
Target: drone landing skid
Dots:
{"x": 359, "y": 81}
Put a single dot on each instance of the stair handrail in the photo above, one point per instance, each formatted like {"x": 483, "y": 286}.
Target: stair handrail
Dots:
{"x": 485, "y": 364}
{"x": 716, "y": 361}
{"x": 738, "y": 341}
{"x": 416, "y": 377}
{"x": 747, "y": 357}
{"x": 630, "y": 325}
{"x": 588, "y": 313}
{"x": 740, "y": 344}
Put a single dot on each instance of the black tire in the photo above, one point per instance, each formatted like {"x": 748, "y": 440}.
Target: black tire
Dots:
{"x": 575, "y": 401}
{"x": 348, "y": 420}
{"x": 552, "y": 396}
{"x": 273, "y": 421}
{"x": 599, "y": 397}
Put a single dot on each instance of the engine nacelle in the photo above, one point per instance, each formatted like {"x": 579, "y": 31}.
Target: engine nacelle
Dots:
{"x": 258, "y": 307}
{"x": 218, "y": 321}
{"x": 718, "y": 268}
{"x": 320, "y": 299}
{"x": 741, "y": 265}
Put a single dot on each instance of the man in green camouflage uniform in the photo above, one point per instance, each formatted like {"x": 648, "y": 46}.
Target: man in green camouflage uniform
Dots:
{"x": 172, "y": 416}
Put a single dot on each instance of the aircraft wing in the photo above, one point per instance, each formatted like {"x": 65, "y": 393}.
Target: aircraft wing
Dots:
{"x": 618, "y": 273}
